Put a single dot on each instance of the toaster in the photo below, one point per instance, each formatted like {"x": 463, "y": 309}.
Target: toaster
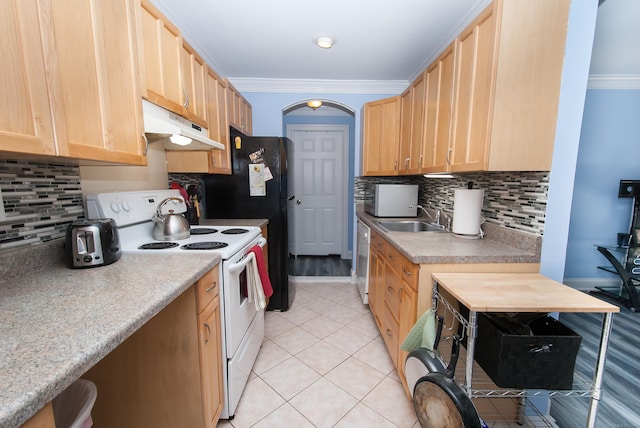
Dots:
{"x": 92, "y": 243}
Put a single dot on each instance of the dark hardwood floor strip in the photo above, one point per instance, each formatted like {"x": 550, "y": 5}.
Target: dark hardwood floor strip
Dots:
{"x": 621, "y": 383}
{"x": 319, "y": 266}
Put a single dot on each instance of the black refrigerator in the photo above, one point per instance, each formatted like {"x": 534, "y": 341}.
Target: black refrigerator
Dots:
{"x": 257, "y": 188}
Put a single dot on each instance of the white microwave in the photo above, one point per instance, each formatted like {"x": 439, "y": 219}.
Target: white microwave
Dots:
{"x": 392, "y": 200}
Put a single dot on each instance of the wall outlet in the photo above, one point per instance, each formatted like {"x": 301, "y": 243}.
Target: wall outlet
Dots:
{"x": 3, "y": 216}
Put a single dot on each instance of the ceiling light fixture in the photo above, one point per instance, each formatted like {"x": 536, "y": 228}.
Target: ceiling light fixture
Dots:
{"x": 325, "y": 42}
{"x": 314, "y": 104}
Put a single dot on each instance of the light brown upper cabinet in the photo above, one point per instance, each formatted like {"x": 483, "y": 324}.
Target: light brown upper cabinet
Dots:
{"x": 412, "y": 126}
{"x": 218, "y": 122}
{"x": 439, "y": 100}
{"x": 507, "y": 86}
{"x": 238, "y": 110}
{"x": 194, "y": 71}
{"x": 162, "y": 48}
{"x": 26, "y": 124}
{"x": 174, "y": 73}
{"x": 208, "y": 161}
{"x": 381, "y": 137}
{"x": 90, "y": 83}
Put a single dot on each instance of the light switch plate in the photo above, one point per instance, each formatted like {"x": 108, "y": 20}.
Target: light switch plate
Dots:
{"x": 3, "y": 216}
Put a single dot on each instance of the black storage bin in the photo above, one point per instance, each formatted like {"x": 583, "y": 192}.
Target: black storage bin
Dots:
{"x": 543, "y": 360}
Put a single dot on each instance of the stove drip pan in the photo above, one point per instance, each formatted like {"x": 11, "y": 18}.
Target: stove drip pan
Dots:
{"x": 234, "y": 231}
{"x": 158, "y": 245}
{"x": 204, "y": 246}
{"x": 203, "y": 230}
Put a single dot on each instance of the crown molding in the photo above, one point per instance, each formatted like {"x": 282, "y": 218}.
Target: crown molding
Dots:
{"x": 320, "y": 86}
{"x": 612, "y": 81}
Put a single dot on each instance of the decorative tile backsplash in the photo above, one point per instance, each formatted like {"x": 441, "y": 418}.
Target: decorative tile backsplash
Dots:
{"x": 42, "y": 197}
{"x": 517, "y": 200}
{"x": 40, "y": 200}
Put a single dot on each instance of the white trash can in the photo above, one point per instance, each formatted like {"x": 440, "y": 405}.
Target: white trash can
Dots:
{"x": 72, "y": 408}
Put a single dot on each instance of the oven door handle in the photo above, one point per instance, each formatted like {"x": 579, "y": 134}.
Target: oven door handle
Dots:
{"x": 239, "y": 267}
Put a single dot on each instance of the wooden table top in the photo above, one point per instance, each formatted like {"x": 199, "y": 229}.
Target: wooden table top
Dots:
{"x": 517, "y": 292}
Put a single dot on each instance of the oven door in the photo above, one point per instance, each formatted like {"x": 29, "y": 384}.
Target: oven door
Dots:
{"x": 239, "y": 312}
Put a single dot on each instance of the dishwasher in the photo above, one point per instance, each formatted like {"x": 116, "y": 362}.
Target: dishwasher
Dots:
{"x": 362, "y": 264}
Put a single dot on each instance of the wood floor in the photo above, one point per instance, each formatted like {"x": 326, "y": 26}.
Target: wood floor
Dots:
{"x": 319, "y": 266}
{"x": 620, "y": 404}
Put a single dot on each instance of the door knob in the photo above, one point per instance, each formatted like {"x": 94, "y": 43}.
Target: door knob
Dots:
{"x": 298, "y": 202}
{"x": 292, "y": 197}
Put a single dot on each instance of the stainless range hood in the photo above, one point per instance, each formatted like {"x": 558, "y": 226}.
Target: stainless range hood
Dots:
{"x": 164, "y": 126}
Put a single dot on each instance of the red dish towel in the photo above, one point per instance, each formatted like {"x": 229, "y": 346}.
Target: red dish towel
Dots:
{"x": 262, "y": 270}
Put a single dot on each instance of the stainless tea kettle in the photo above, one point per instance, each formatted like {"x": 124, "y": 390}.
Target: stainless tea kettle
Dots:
{"x": 170, "y": 227}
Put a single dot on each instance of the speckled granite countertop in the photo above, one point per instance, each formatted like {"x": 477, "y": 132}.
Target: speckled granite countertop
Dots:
{"x": 500, "y": 245}
{"x": 57, "y": 323}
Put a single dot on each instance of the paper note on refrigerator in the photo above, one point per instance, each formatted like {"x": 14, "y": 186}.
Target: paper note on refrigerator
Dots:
{"x": 257, "y": 182}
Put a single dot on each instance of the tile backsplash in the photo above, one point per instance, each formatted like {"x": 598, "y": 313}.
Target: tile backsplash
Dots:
{"x": 516, "y": 200}
{"x": 40, "y": 199}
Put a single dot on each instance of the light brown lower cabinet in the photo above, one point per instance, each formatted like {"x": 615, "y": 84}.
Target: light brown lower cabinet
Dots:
{"x": 42, "y": 419}
{"x": 400, "y": 291}
{"x": 168, "y": 373}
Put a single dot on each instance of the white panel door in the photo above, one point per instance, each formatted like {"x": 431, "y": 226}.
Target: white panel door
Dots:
{"x": 319, "y": 171}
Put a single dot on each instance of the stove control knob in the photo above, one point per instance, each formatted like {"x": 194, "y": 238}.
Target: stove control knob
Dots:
{"x": 126, "y": 206}
{"x": 115, "y": 207}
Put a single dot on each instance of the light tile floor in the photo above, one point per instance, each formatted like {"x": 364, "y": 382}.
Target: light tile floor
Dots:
{"x": 323, "y": 364}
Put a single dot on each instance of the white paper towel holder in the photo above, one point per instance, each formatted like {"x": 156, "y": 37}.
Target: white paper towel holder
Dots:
{"x": 467, "y": 212}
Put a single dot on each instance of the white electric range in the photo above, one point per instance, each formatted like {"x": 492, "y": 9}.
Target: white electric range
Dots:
{"x": 242, "y": 325}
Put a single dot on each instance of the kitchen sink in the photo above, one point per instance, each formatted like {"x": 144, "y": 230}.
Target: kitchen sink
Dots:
{"x": 410, "y": 226}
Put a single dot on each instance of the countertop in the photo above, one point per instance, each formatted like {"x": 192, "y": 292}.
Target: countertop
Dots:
{"x": 57, "y": 323}
{"x": 258, "y": 222}
{"x": 517, "y": 292}
{"x": 444, "y": 248}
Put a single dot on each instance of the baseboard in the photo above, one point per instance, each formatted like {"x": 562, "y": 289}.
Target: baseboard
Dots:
{"x": 586, "y": 284}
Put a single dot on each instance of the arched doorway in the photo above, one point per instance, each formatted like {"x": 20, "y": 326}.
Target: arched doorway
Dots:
{"x": 319, "y": 177}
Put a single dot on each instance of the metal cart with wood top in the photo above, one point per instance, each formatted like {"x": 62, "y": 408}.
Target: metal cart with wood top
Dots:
{"x": 520, "y": 292}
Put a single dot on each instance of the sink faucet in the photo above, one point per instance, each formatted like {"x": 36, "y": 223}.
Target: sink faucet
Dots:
{"x": 425, "y": 211}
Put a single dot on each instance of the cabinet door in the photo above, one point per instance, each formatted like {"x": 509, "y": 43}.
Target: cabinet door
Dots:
{"x": 473, "y": 83}
{"x": 412, "y": 128}
{"x": 381, "y": 137}
{"x": 42, "y": 419}
{"x": 249, "y": 118}
{"x": 25, "y": 123}
{"x": 438, "y": 112}
{"x": 218, "y": 125}
{"x": 193, "y": 80}
{"x": 210, "y": 362}
{"x": 407, "y": 320}
{"x": 404, "y": 155}
{"x": 95, "y": 88}
{"x": 162, "y": 45}
{"x": 245, "y": 116}
{"x": 233, "y": 106}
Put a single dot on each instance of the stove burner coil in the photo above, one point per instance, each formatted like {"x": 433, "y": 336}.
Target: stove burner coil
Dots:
{"x": 158, "y": 245}
{"x": 204, "y": 246}
{"x": 234, "y": 231}
{"x": 203, "y": 230}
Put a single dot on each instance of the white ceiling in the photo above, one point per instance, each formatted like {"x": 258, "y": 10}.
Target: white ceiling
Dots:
{"x": 376, "y": 40}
